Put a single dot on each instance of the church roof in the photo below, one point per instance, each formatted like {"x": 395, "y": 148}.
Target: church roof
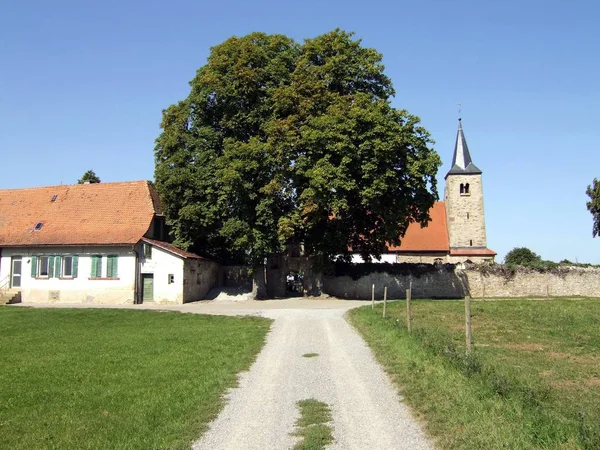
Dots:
{"x": 432, "y": 238}
{"x": 462, "y": 164}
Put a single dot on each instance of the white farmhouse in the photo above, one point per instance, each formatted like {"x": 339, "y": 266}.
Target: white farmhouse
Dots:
{"x": 94, "y": 243}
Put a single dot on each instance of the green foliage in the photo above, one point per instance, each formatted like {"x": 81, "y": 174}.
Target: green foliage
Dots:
{"x": 282, "y": 143}
{"x": 521, "y": 256}
{"x": 593, "y": 206}
{"x": 356, "y": 271}
{"x": 90, "y": 176}
{"x": 118, "y": 379}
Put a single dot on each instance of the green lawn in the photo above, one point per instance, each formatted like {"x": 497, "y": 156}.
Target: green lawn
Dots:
{"x": 533, "y": 380}
{"x": 118, "y": 379}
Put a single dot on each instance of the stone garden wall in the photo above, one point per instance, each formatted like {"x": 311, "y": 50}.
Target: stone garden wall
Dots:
{"x": 450, "y": 281}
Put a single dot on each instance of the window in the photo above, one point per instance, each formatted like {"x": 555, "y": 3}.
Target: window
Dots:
{"x": 96, "y": 266}
{"x": 147, "y": 251}
{"x": 471, "y": 242}
{"x": 464, "y": 189}
{"x": 43, "y": 266}
{"x": 171, "y": 278}
{"x": 67, "y": 266}
{"x": 467, "y": 215}
{"x": 38, "y": 226}
{"x": 112, "y": 266}
{"x": 159, "y": 228}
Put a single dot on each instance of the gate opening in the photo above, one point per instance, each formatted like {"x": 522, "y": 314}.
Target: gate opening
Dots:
{"x": 294, "y": 286}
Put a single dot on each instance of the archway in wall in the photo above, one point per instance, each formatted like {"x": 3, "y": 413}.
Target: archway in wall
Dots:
{"x": 294, "y": 284}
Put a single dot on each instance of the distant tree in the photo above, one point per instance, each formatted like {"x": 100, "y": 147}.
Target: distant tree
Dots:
{"x": 90, "y": 176}
{"x": 593, "y": 206}
{"x": 521, "y": 256}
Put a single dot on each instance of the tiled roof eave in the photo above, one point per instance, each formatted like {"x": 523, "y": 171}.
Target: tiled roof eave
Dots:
{"x": 170, "y": 248}
{"x": 472, "y": 251}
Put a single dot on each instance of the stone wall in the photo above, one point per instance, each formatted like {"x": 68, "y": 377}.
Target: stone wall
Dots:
{"x": 458, "y": 283}
{"x": 199, "y": 277}
{"x": 234, "y": 276}
{"x": 573, "y": 281}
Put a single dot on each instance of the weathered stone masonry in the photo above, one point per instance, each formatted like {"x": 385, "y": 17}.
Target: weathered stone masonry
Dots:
{"x": 458, "y": 283}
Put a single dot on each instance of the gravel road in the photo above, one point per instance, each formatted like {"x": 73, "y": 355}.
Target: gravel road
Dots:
{"x": 261, "y": 412}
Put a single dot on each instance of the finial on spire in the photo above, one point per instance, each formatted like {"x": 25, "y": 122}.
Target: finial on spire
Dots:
{"x": 459, "y": 105}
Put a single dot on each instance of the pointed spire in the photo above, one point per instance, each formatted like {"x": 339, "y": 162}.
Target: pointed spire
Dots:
{"x": 462, "y": 163}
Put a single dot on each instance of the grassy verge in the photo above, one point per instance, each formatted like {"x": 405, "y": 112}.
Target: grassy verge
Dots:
{"x": 312, "y": 425}
{"x": 532, "y": 381}
{"x": 77, "y": 379}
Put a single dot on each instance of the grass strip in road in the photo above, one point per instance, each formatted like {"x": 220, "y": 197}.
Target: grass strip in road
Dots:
{"x": 310, "y": 355}
{"x": 312, "y": 425}
{"x": 119, "y": 379}
{"x": 528, "y": 384}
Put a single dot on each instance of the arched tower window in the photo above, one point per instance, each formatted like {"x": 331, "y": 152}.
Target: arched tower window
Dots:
{"x": 464, "y": 189}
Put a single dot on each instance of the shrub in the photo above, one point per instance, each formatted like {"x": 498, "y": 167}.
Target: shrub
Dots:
{"x": 522, "y": 256}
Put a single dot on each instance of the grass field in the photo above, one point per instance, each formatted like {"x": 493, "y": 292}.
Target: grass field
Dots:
{"x": 118, "y": 379}
{"x": 532, "y": 381}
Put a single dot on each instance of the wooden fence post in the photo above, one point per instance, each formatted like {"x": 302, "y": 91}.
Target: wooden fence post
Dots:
{"x": 408, "y": 312}
{"x": 373, "y": 297}
{"x": 384, "y": 300}
{"x": 468, "y": 323}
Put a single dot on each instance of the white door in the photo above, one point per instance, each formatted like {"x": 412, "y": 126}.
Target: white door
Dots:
{"x": 15, "y": 273}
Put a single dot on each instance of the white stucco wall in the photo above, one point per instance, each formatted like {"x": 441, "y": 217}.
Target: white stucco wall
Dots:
{"x": 161, "y": 265}
{"x": 385, "y": 258}
{"x": 81, "y": 289}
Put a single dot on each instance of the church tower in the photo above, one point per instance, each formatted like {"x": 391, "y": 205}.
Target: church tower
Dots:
{"x": 464, "y": 203}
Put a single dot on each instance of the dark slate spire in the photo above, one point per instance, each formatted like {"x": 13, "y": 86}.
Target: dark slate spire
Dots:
{"x": 462, "y": 163}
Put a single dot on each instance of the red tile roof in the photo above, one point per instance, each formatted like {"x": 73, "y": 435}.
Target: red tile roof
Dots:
{"x": 472, "y": 252}
{"x": 432, "y": 238}
{"x": 81, "y": 214}
{"x": 171, "y": 248}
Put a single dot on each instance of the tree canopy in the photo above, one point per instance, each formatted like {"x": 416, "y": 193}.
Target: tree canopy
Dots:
{"x": 521, "y": 256}
{"x": 593, "y": 206}
{"x": 284, "y": 143}
{"x": 90, "y": 176}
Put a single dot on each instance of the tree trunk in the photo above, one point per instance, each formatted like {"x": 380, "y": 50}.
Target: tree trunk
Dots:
{"x": 259, "y": 285}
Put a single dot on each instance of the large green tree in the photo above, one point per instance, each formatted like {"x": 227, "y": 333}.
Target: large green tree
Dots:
{"x": 593, "y": 206}
{"x": 283, "y": 143}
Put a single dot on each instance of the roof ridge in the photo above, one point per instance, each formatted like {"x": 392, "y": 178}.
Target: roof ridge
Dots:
{"x": 76, "y": 184}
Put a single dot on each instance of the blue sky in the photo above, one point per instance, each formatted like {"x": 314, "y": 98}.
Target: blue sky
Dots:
{"x": 83, "y": 84}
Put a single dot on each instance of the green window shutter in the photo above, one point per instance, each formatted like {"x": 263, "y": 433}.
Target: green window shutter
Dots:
{"x": 50, "y": 266}
{"x": 112, "y": 266}
{"x": 94, "y": 266}
{"x": 109, "y": 266}
{"x": 33, "y": 266}
{"x": 75, "y": 265}
{"x": 99, "y": 266}
{"x": 57, "y": 267}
